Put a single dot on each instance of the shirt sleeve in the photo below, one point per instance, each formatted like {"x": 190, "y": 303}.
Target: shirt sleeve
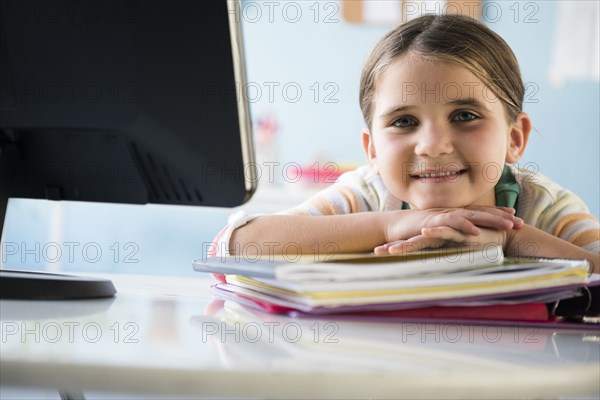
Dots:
{"x": 573, "y": 223}
{"x": 335, "y": 200}
{"x": 220, "y": 245}
{"x": 557, "y": 211}
{"x": 359, "y": 190}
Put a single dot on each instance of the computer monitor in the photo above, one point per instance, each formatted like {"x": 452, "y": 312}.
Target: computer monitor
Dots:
{"x": 122, "y": 102}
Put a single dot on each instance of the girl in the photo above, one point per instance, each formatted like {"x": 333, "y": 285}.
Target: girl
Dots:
{"x": 442, "y": 99}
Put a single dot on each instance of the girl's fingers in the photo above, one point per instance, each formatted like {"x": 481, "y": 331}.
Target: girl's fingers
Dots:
{"x": 503, "y": 221}
{"x": 430, "y": 238}
{"x": 452, "y": 219}
{"x": 488, "y": 219}
{"x": 467, "y": 221}
{"x": 509, "y": 210}
{"x": 518, "y": 223}
{"x": 498, "y": 210}
{"x": 416, "y": 243}
{"x": 383, "y": 249}
{"x": 504, "y": 213}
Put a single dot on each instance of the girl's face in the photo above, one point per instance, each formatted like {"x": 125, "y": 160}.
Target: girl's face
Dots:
{"x": 439, "y": 136}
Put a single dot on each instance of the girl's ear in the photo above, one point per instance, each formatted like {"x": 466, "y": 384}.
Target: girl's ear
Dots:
{"x": 518, "y": 137}
{"x": 369, "y": 147}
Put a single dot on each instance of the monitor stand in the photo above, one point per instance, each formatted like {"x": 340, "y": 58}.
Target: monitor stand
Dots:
{"x": 28, "y": 285}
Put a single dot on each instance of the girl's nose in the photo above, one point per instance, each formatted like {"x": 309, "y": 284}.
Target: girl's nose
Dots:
{"x": 433, "y": 141}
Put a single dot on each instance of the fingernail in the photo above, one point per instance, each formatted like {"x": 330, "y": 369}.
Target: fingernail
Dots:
{"x": 383, "y": 249}
{"x": 476, "y": 230}
{"x": 393, "y": 248}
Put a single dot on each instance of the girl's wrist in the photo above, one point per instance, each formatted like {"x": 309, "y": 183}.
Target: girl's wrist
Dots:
{"x": 384, "y": 225}
{"x": 389, "y": 224}
{"x": 507, "y": 245}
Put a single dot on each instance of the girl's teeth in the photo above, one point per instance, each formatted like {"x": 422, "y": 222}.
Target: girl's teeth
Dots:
{"x": 438, "y": 175}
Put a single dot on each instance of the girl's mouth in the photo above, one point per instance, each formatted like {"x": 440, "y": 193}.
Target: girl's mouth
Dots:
{"x": 439, "y": 175}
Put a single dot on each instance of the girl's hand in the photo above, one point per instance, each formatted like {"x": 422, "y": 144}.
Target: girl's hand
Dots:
{"x": 466, "y": 222}
{"x": 432, "y": 238}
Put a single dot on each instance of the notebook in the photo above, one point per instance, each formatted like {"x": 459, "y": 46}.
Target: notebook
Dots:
{"x": 362, "y": 283}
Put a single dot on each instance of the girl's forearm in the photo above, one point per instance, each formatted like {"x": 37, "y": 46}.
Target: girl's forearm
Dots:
{"x": 290, "y": 234}
{"x": 530, "y": 241}
{"x": 357, "y": 232}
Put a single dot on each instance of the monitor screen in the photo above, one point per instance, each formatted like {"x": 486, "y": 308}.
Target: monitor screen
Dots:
{"x": 123, "y": 102}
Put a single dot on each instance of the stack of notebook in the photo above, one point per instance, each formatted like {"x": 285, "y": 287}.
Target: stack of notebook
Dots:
{"x": 450, "y": 283}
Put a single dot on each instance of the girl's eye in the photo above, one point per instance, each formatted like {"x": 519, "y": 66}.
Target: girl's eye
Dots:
{"x": 464, "y": 116}
{"x": 404, "y": 122}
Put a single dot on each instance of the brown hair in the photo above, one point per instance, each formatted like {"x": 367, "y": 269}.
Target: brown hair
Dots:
{"x": 452, "y": 38}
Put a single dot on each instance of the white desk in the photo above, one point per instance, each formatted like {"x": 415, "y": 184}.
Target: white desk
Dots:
{"x": 168, "y": 336}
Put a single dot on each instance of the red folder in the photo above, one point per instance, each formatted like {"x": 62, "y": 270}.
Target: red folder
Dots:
{"x": 496, "y": 312}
